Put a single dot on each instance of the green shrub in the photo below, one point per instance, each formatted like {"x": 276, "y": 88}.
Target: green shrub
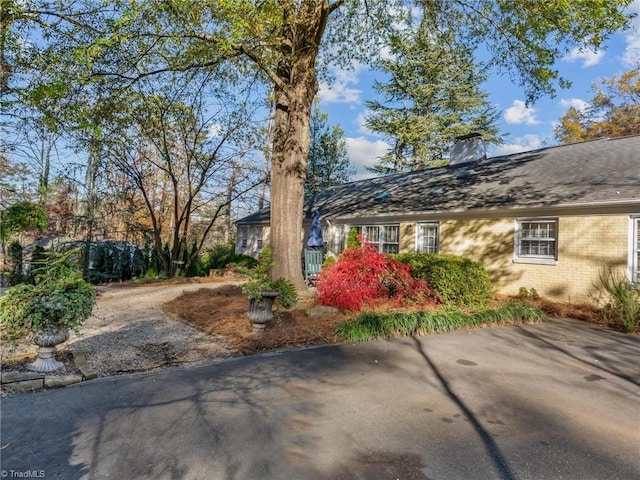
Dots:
{"x": 39, "y": 257}
{"x": 223, "y": 255}
{"x": 458, "y": 280}
{"x": 16, "y": 263}
{"x": 524, "y": 292}
{"x": 259, "y": 281}
{"x": 372, "y": 325}
{"x": 329, "y": 260}
{"x": 59, "y": 299}
{"x": 287, "y": 295}
{"x": 352, "y": 240}
{"x": 623, "y": 307}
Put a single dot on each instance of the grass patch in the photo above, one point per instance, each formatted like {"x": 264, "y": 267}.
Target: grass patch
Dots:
{"x": 372, "y": 325}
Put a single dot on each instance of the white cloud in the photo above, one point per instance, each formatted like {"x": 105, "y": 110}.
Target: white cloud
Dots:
{"x": 364, "y": 153}
{"x": 631, "y": 55}
{"x": 521, "y": 144}
{"x": 519, "y": 113}
{"x": 342, "y": 90}
{"x": 338, "y": 93}
{"x": 589, "y": 57}
{"x": 576, "y": 103}
{"x": 215, "y": 130}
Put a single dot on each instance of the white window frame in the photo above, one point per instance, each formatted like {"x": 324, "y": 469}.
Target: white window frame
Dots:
{"x": 420, "y": 245}
{"x": 340, "y": 234}
{"x": 243, "y": 240}
{"x": 258, "y": 232}
{"x": 544, "y": 259}
{"x": 634, "y": 248}
{"x": 382, "y": 239}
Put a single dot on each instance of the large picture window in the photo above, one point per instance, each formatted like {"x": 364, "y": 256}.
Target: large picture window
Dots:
{"x": 385, "y": 238}
{"x": 536, "y": 239}
{"x": 427, "y": 237}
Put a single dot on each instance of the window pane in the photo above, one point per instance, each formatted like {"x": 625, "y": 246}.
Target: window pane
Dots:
{"x": 384, "y": 238}
{"x": 537, "y": 239}
{"x": 371, "y": 234}
{"x": 243, "y": 237}
{"x": 533, "y": 247}
{"x": 428, "y": 238}
{"x": 391, "y": 234}
{"x": 538, "y": 230}
{"x": 390, "y": 248}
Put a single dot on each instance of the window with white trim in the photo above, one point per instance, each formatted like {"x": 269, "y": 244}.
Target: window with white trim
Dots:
{"x": 339, "y": 239}
{"x": 258, "y": 235}
{"x": 427, "y": 237}
{"x": 243, "y": 233}
{"x": 385, "y": 238}
{"x": 537, "y": 239}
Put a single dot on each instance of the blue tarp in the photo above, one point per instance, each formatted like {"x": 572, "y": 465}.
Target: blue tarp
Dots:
{"x": 315, "y": 234}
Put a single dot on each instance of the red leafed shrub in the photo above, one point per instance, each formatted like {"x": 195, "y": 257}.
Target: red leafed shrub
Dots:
{"x": 365, "y": 277}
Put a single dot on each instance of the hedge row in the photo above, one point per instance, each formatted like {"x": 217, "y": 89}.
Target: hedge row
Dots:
{"x": 459, "y": 281}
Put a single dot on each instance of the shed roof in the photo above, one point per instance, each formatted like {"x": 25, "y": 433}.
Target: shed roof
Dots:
{"x": 603, "y": 171}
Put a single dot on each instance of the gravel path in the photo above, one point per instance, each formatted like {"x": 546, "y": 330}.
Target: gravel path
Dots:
{"x": 129, "y": 332}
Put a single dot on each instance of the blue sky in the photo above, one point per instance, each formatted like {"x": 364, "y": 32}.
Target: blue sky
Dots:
{"x": 526, "y": 128}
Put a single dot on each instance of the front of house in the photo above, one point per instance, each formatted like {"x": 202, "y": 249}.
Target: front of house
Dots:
{"x": 550, "y": 219}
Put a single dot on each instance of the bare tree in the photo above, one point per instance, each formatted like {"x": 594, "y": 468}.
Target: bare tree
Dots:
{"x": 185, "y": 165}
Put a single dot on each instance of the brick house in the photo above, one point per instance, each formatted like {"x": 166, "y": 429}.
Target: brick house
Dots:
{"x": 549, "y": 219}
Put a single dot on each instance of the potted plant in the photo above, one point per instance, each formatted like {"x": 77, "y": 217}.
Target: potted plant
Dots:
{"x": 263, "y": 292}
{"x": 59, "y": 300}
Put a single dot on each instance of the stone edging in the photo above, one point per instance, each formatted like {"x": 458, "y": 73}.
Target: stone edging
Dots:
{"x": 14, "y": 382}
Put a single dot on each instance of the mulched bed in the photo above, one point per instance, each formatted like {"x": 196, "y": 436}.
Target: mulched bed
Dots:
{"x": 222, "y": 312}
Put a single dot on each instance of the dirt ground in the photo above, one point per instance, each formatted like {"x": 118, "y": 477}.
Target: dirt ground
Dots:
{"x": 222, "y": 312}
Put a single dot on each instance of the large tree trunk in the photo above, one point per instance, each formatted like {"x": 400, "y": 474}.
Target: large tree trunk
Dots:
{"x": 294, "y": 98}
{"x": 287, "y": 187}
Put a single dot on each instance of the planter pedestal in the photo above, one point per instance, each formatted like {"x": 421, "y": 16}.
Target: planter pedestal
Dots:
{"x": 46, "y": 361}
{"x": 260, "y": 311}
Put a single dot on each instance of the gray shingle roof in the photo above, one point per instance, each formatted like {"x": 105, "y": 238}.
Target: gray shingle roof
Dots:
{"x": 598, "y": 171}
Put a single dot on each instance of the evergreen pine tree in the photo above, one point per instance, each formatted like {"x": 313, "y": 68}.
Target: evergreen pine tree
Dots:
{"x": 433, "y": 96}
{"x": 328, "y": 159}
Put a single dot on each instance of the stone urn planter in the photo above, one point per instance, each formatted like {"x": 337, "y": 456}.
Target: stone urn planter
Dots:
{"x": 45, "y": 311}
{"x": 261, "y": 310}
{"x": 262, "y": 292}
{"x": 46, "y": 361}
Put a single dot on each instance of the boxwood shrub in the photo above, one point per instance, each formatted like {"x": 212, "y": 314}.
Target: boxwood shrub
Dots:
{"x": 458, "y": 280}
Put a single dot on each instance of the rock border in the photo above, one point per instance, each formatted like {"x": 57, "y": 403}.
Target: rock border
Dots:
{"x": 17, "y": 382}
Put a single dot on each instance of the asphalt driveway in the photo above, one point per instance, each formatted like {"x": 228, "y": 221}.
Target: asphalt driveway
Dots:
{"x": 558, "y": 400}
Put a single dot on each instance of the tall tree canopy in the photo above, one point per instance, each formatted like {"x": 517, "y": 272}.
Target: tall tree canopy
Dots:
{"x": 328, "y": 160}
{"x": 432, "y": 97}
{"x": 613, "y": 111}
{"x": 288, "y": 43}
